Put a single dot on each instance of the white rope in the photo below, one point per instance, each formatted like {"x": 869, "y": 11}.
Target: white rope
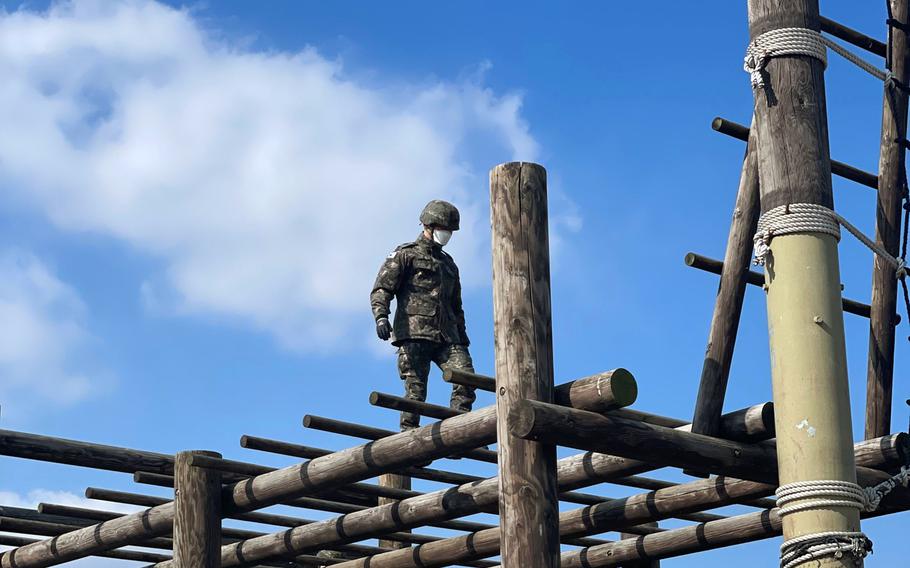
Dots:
{"x": 821, "y": 494}
{"x": 812, "y": 218}
{"x": 797, "y": 41}
{"x": 875, "y": 494}
{"x": 803, "y": 549}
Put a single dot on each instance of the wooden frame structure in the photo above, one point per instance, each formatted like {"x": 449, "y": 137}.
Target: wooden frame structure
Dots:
{"x": 531, "y": 417}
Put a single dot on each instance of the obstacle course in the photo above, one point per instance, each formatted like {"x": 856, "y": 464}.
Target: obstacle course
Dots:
{"x": 824, "y": 482}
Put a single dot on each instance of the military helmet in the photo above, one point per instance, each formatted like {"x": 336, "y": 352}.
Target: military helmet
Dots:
{"x": 440, "y": 214}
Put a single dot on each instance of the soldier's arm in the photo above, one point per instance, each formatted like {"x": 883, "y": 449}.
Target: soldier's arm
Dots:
{"x": 387, "y": 282}
{"x": 458, "y": 310}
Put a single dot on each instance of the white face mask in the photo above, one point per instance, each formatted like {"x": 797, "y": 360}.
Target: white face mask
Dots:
{"x": 441, "y": 236}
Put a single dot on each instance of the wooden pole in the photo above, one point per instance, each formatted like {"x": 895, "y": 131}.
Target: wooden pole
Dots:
{"x": 729, "y": 303}
{"x": 398, "y": 482}
{"x": 197, "y": 518}
{"x": 805, "y": 320}
{"x": 880, "y": 374}
{"x": 522, "y": 330}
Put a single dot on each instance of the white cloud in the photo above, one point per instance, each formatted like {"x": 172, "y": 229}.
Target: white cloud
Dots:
{"x": 270, "y": 185}
{"x": 42, "y": 339}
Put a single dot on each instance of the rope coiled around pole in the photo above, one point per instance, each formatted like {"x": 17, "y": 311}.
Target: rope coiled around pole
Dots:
{"x": 798, "y": 41}
{"x": 812, "y": 218}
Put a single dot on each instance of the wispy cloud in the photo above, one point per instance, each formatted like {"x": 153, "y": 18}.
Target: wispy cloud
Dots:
{"x": 270, "y": 185}
{"x": 43, "y": 338}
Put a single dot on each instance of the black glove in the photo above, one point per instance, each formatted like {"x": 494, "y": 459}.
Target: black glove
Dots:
{"x": 383, "y": 329}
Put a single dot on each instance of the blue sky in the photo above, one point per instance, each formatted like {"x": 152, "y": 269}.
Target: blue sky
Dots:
{"x": 194, "y": 199}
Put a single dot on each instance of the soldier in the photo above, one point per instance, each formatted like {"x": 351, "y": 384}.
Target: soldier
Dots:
{"x": 429, "y": 320}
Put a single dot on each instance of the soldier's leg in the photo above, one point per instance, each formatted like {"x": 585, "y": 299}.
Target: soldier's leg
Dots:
{"x": 414, "y": 368}
{"x": 458, "y": 357}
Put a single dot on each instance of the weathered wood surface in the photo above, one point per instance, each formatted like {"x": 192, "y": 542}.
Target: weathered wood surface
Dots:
{"x": 321, "y": 474}
{"x": 345, "y": 428}
{"x": 120, "y": 554}
{"x": 715, "y": 266}
{"x": 523, "y": 339}
{"x": 83, "y": 454}
{"x": 805, "y": 317}
{"x": 728, "y": 305}
{"x": 632, "y": 439}
{"x": 753, "y": 423}
{"x": 197, "y": 517}
{"x": 613, "y": 515}
{"x": 880, "y": 371}
{"x": 646, "y": 563}
{"x": 398, "y": 482}
{"x": 846, "y": 171}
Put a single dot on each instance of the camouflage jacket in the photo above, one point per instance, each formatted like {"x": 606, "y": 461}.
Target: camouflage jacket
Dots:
{"x": 424, "y": 281}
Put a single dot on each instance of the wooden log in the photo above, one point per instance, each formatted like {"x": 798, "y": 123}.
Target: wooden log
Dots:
{"x": 197, "y": 518}
{"x": 891, "y": 179}
{"x": 358, "y": 493}
{"x": 467, "y": 499}
{"x": 805, "y": 318}
{"x": 398, "y": 482}
{"x": 729, "y": 302}
{"x": 119, "y": 554}
{"x": 600, "y": 392}
{"x": 523, "y": 337}
{"x": 750, "y": 424}
{"x": 83, "y": 454}
{"x": 325, "y": 424}
{"x": 715, "y": 266}
{"x": 480, "y": 382}
{"x": 614, "y": 515}
{"x": 852, "y": 36}
{"x": 638, "y": 440}
{"x": 846, "y": 171}
{"x": 645, "y": 563}
{"x": 731, "y": 531}
{"x": 321, "y": 474}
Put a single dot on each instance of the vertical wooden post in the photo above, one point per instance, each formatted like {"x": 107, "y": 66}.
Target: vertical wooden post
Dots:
{"x": 729, "y": 303}
{"x": 397, "y": 482}
{"x": 528, "y": 505}
{"x": 805, "y": 319}
{"x": 639, "y": 563}
{"x": 197, "y": 520}
{"x": 887, "y": 233}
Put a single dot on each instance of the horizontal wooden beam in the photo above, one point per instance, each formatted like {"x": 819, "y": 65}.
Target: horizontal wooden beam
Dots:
{"x": 741, "y": 132}
{"x": 119, "y": 554}
{"x": 715, "y": 266}
{"x": 318, "y": 475}
{"x": 553, "y": 424}
{"x": 854, "y": 37}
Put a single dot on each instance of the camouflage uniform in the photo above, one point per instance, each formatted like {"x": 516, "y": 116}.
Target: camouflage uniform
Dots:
{"x": 429, "y": 321}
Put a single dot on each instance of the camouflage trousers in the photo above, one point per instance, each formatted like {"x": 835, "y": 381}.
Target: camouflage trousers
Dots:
{"x": 414, "y": 358}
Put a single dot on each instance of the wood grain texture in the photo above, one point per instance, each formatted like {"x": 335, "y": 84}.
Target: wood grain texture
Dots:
{"x": 522, "y": 332}
{"x": 395, "y": 481}
{"x": 880, "y": 371}
{"x": 729, "y": 302}
{"x": 638, "y": 440}
{"x": 83, "y": 454}
{"x": 645, "y": 563}
{"x": 670, "y": 501}
{"x": 197, "y": 517}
